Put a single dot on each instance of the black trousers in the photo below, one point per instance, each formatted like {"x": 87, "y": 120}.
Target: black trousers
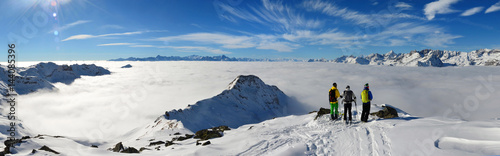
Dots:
{"x": 347, "y": 109}
{"x": 366, "y": 112}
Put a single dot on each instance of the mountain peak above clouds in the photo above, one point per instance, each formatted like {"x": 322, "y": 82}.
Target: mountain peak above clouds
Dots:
{"x": 425, "y": 58}
{"x": 246, "y": 100}
{"x": 42, "y": 75}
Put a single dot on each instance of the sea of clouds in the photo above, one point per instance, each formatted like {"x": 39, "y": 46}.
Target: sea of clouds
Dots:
{"x": 107, "y": 107}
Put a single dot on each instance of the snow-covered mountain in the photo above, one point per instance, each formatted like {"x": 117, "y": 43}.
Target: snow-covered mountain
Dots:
{"x": 425, "y": 58}
{"x": 42, "y": 75}
{"x": 246, "y": 100}
{"x": 203, "y": 58}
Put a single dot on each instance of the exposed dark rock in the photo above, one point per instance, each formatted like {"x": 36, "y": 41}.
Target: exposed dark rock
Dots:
{"x": 10, "y": 143}
{"x": 210, "y": 133}
{"x": 493, "y": 62}
{"x": 45, "y": 148}
{"x": 157, "y": 148}
{"x": 189, "y": 135}
{"x": 168, "y": 143}
{"x": 127, "y": 66}
{"x": 144, "y": 148}
{"x": 322, "y": 111}
{"x": 386, "y": 113}
{"x": 130, "y": 150}
{"x": 156, "y": 143}
{"x": 167, "y": 115}
{"x": 177, "y": 133}
{"x": 94, "y": 146}
{"x": 206, "y": 143}
{"x": 181, "y": 138}
{"x": 118, "y": 147}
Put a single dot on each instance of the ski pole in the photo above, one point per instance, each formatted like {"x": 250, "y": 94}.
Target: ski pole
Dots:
{"x": 356, "y": 105}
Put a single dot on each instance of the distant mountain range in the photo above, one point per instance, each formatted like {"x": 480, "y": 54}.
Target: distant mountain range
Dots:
{"x": 203, "y": 58}
{"x": 423, "y": 58}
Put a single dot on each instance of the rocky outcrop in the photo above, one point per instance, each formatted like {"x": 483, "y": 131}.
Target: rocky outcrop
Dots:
{"x": 386, "y": 113}
{"x": 122, "y": 149}
{"x": 210, "y": 133}
{"x": 45, "y": 148}
{"x": 322, "y": 111}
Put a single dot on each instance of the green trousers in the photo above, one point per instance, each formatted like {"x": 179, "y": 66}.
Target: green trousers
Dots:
{"x": 334, "y": 108}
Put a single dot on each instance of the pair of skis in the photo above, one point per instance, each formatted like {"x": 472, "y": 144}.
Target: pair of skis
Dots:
{"x": 354, "y": 116}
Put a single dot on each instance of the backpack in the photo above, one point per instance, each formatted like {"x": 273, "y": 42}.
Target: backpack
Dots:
{"x": 348, "y": 96}
{"x": 332, "y": 95}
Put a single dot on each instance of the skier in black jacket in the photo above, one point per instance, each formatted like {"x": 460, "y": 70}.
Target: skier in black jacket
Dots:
{"x": 349, "y": 97}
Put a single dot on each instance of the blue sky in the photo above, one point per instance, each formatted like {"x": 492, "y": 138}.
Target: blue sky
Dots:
{"x": 48, "y": 30}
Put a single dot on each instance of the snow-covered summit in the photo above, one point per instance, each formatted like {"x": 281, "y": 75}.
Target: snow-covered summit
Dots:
{"x": 62, "y": 73}
{"x": 42, "y": 75}
{"x": 246, "y": 100}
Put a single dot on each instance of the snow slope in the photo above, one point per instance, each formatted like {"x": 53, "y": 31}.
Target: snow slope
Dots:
{"x": 302, "y": 135}
{"x": 429, "y": 89}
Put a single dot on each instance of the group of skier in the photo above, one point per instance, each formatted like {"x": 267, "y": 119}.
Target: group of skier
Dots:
{"x": 348, "y": 98}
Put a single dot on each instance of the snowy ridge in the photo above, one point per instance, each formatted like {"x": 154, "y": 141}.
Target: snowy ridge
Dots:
{"x": 247, "y": 100}
{"x": 42, "y": 75}
{"x": 425, "y": 58}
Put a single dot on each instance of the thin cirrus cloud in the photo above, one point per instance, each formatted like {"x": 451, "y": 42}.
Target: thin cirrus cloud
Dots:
{"x": 269, "y": 42}
{"x": 358, "y": 18}
{"x": 116, "y": 44}
{"x": 493, "y": 8}
{"x": 472, "y": 11}
{"x": 439, "y": 7}
{"x": 86, "y": 36}
{"x": 273, "y": 14}
{"x": 396, "y": 35}
{"x": 403, "y": 5}
{"x": 79, "y": 22}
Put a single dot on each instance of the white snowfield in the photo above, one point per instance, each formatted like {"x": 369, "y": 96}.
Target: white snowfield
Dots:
{"x": 434, "y": 119}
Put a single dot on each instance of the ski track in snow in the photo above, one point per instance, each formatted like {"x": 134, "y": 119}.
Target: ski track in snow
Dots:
{"x": 325, "y": 137}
